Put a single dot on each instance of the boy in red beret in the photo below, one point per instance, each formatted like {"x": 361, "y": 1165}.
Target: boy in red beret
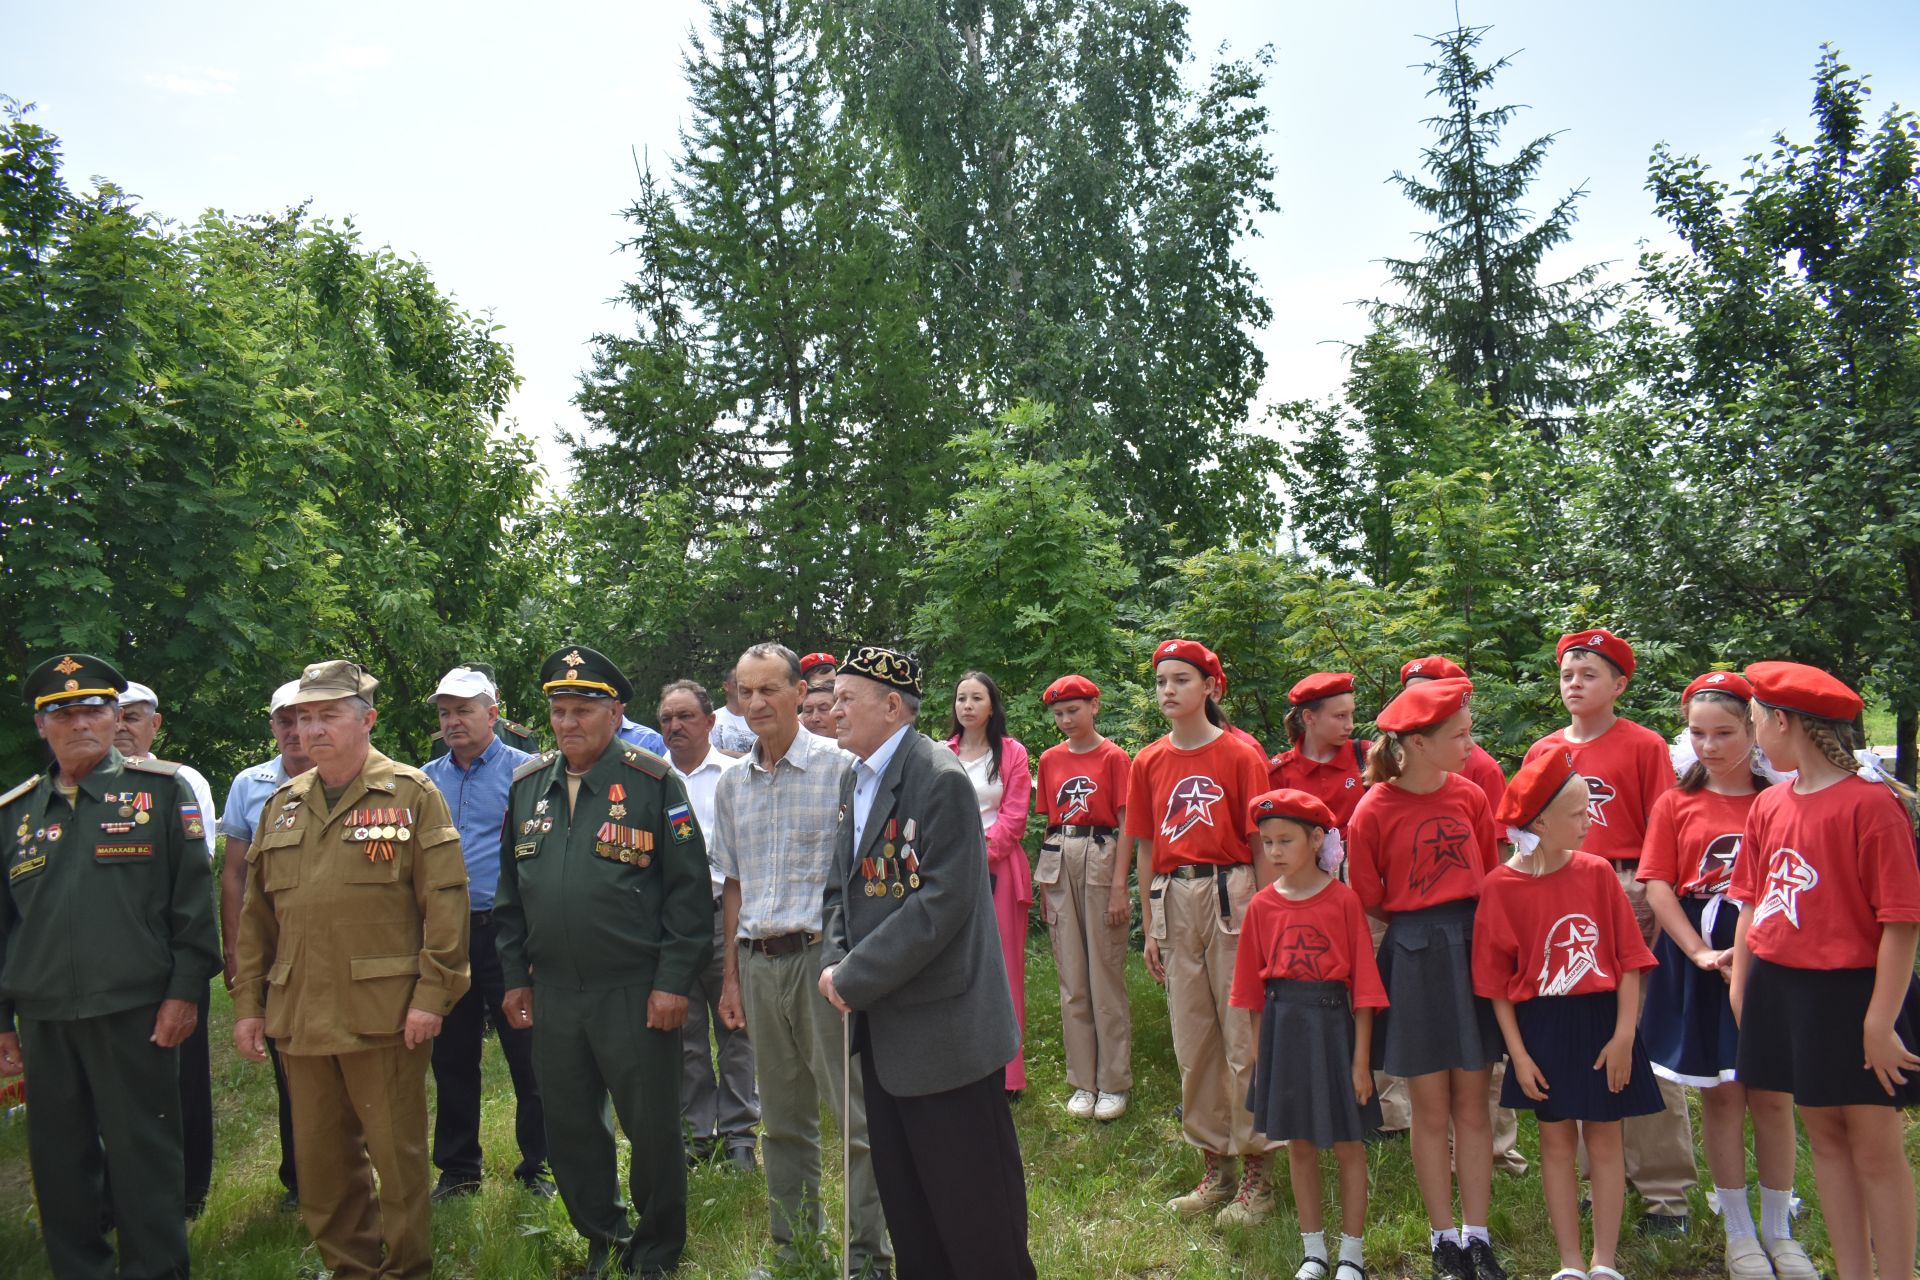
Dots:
{"x": 1627, "y": 768}
{"x": 1082, "y": 877}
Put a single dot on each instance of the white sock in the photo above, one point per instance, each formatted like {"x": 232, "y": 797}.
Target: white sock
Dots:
{"x": 1435, "y": 1237}
{"x": 1350, "y": 1249}
{"x": 1735, "y": 1213}
{"x": 1776, "y": 1213}
{"x": 1316, "y": 1244}
{"x": 1469, "y": 1234}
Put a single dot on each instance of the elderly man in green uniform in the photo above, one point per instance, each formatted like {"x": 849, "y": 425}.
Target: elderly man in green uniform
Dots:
{"x": 107, "y": 943}
{"x": 353, "y": 948}
{"x": 605, "y": 912}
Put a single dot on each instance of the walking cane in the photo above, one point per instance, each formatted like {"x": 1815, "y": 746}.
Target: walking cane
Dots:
{"x": 846, "y": 1144}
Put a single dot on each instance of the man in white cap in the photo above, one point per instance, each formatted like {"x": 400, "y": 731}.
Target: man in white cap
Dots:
{"x": 139, "y": 725}
{"x": 239, "y": 819}
{"x": 475, "y": 775}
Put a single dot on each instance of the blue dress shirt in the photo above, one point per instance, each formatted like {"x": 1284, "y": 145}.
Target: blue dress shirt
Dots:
{"x": 477, "y": 795}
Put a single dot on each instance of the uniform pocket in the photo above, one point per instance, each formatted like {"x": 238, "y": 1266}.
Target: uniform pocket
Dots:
{"x": 1102, "y": 852}
{"x": 382, "y": 986}
{"x": 279, "y": 1016}
{"x": 1047, "y": 869}
{"x": 1240, "y": 889}
{"x": 1158, "y": 896}
{"x": 373, "y": 870}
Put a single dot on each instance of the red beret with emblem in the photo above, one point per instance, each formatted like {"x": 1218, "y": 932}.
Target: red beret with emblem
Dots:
{"x": 1422, "y": 704}
{"x": 1195, "y": 655}
{"x": 814, "y": 661}
{"x": 1794, "y": 686}
{"x": 1321, "y": 684}
{"x": 1432, "y": 668}
{"x": 1600, "y": 641}
{"x": 1728, "y": 682}
{"x": 1297, "y": 806}
{"x": 1067, "y": 688}
{"x": 1534, "y": 787}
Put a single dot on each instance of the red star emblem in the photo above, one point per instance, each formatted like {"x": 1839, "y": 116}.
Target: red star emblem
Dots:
{"x": 1073, "y": 796}
{"x": 1789, "y": 875}
{"x": 1190, "y": 805}
{"x": 1439, "y": 846}
{"x": 1303, "y": 951}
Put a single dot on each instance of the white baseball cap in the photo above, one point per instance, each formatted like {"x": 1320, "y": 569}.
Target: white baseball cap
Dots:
{"x": 465, "y": 682}
{"x": 283, "y": 695}
{"x": 137, "y": 693}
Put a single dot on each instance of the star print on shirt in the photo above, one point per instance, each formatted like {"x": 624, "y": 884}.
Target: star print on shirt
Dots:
{"x": 1190, "y": 805}
{"x": 1788, "y": 876}
{"x": 1303, "y": 951}
{"x": 1598, "y": 793}
{"x": 1074, "y": 796}
{"x": 1439, "y": 846}
{"x": 1716, "y": 864}
{"x": 1569, "y": 954}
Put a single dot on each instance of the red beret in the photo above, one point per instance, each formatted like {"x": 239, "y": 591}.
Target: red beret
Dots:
{"x": 814, "y": 661}
{"x": 1321, "y": 684}
{"x": 1794, "y": 686}
{"x": 1600, "y": 641}
{"x": 1288, "y": 803}
{"x": 1534, "y": 787}
{"x": 1433, "y": 668}
{"x": 1066, "y": 688}
{"x": 1195, "y": 655}
{"x": 1420, "y": 705}
{"x": 1727, "y": 682}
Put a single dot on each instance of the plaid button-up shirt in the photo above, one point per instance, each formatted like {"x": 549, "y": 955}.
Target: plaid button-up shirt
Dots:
{"x": 773, "y": 831}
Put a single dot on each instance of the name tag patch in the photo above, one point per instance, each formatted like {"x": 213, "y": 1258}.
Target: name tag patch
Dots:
{"x": 123, "y": 851}
{"x": 26, "y": 867}
{"x": 525, "y": 850}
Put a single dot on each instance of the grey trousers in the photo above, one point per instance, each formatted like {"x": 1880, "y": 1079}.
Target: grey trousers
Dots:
{"x": 796, "y": 1051}
{"x": 726, "y": 1108}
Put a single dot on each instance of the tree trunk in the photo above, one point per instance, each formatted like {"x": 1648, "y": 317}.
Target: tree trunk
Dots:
{"x": 1906, "y": 721}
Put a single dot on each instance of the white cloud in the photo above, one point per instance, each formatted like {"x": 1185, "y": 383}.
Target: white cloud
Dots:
{"x": 193, "y": 83}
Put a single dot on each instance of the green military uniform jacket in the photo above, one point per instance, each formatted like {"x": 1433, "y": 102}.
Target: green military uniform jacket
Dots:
{"x": 615, "y": 894}
{"x": 353, "y": 914}
{"x": 109, "y": 905}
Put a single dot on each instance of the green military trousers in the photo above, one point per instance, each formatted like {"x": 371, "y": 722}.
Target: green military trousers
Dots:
{"x": 590, "y": 1047}
{"x": 103, "y": 1101}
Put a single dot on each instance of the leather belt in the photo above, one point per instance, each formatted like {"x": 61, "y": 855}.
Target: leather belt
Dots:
{"x": 483, "y": 917}
{"x": 1214, "y": 871}
{"x": 1096, "y": 833}
{"x": 784, "y": 944}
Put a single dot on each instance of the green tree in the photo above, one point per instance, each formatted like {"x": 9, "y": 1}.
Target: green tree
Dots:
{"x": 1477, "y": 296}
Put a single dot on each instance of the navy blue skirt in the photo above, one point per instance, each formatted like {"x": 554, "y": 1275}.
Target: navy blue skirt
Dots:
{"x": 1303, "y": 1075}
{"x": 1433, "y": 1021}
{"x": 1563, "y": 1035}
{"x": 1800, "y": 1034}
{"x": 1687, "y": 1024}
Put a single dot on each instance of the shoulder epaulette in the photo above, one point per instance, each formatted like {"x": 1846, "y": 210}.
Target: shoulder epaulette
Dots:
{"x": 166, "y": 768}
{"x": 533, "y": 766}
{"x": 20, "y": 790}
{"x": 518, "y": 728}
{"x": 645, "y": 761}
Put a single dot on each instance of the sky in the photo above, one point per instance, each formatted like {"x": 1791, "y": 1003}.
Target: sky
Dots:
{"x": 497, "y": 143}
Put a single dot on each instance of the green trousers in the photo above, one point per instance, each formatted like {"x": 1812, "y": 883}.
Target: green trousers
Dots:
{"x": 591, "y": 1048}
{"x": 103, "y": 1101}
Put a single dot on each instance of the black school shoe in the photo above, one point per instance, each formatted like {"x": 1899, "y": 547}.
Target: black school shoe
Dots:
{"x": 1485, "y": 1265}
{"x": 1450, "y": 1262}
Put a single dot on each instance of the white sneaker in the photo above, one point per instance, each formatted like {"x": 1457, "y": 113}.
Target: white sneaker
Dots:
{"x": 1111, "y": 1106}
{"x": 1080, "y": 1105}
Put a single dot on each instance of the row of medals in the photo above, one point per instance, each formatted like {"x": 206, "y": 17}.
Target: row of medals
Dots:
{"x": 882, "y": 874}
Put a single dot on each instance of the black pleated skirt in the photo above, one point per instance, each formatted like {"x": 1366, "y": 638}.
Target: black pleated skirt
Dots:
{"x": 1563, "y": 1035}
{"x": 1434, "y": 1022}
{"x": 1303, "y": 1078}
{"x": 1687, "y": 1024}
{"x": 1800, "y": 1034}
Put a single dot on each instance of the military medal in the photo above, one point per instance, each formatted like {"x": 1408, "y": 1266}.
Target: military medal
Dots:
{"x": 617, "y": 792}
{"x": 141, "y": 817}
{"x": 126, "y": 811}
{"x": 617, "y": 810}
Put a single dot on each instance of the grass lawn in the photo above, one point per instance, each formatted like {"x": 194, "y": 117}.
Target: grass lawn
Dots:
{"x": 1096, "y": 1191}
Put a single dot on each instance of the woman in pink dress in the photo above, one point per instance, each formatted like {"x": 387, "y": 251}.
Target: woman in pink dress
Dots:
{"x": 997, "y": 766}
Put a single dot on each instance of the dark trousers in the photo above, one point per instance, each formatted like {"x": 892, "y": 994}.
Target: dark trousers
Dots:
{"x": 950, "y": 1179}
{"x": 590, "y": 1047}
{"x": 196, "y": 1112}
{"x": 456, "y": 1071}
{"x": 289, "y": 1176}
{"x": 103, "y": 1098}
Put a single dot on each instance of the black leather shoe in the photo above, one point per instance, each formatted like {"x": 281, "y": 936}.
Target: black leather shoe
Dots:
{"x": 742, "y": 1159}
{"x": 453, "y": 1188}
{"x": 1485, "y": 1265}
{"x": 1450, "y": 1262}
{"x": 539, "y": 1185}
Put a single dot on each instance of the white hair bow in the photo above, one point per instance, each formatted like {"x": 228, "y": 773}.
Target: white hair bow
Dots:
{"x": 1872, "y": 767}
{"x": 1524, "y": 842}
{"x": 1331, "y": 851}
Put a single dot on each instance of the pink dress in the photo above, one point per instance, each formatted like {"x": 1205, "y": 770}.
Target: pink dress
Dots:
{"x": 1005, "y": 821}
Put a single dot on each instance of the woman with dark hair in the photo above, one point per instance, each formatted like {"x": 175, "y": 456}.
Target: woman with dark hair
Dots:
{"x": 997, "y": 766}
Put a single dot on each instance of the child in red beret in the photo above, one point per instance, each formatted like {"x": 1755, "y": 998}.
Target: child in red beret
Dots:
{"x": 1686, "y": 864}
{"x": 1305, "y": 973}
{"x": 1419, "y": 844}
{"x": 1627, "y": 768}
{"x": 1082, "y": 879}
{"x": 1823, "y": 982}
{"x": 1557, "y": 950}
{"x": 1482, "y": 770}
{"x": 1187, "y": 798}
{"x": 1323, "y": 758}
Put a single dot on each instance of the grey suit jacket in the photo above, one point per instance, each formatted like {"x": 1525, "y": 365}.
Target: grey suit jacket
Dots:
{"x": 923, "y": 970}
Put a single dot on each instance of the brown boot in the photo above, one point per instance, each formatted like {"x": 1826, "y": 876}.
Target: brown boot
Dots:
{"x": 1216, "y": 1187}
{"x": 1254, "y": 1203}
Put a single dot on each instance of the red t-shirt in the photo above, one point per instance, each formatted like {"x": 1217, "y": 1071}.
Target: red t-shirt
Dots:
{"x": 1824, "y": 871}
{"x": 1626, "y": 769}
{"x": 1083, "y": 790}
{"x": 1336, "y": 784}
{"x": 1193, "y": 804}
{"x": 1407, "y": 851}
{"x": 1692, "y": 840}
{"x": 1483, "y": 771}
{"x": 1319, "y": 939}
{"x": 1568, "y": 933}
